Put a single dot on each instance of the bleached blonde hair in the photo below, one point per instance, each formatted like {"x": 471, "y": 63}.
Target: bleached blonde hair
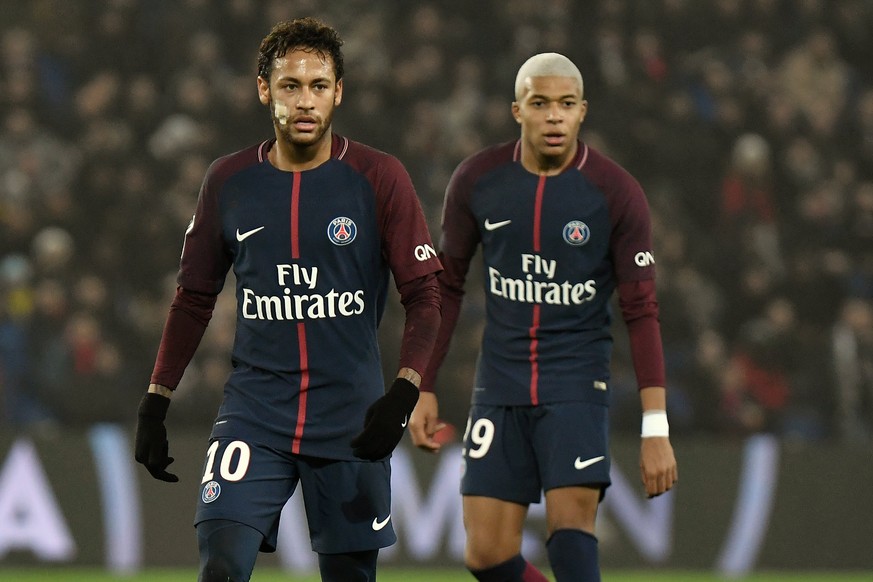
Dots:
{"x": 547, "y": 65}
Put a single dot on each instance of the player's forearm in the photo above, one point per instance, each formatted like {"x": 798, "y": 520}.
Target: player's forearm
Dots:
{"x": 639, "y": 309}
{"x": 451, "y": 282}
{"x": 421, "y": 300}
{"x": 186, "y": 322}
{"x": 653, "y": 398}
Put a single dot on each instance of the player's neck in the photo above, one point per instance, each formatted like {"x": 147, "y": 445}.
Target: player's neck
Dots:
{"x": 542, "y": 165}
{"x": 290, "y": 157}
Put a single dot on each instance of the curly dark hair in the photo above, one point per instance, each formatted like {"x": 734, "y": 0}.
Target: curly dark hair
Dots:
{"x": 306, "y": 34}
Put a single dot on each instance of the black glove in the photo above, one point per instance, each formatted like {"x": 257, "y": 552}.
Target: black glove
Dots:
{"x": 151, "y": 446}
{"x": 385, "y": 421}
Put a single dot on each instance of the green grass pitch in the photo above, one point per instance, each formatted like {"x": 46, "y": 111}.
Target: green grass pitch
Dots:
{"x": 414, "y": 575}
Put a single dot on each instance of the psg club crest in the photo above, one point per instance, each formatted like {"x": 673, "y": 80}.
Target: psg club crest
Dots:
{"x": 576, "y": 233}
{"x": 341, "y": 230}
{"x": 211, "y": 491}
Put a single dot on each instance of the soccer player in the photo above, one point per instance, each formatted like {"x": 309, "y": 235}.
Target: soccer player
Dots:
{"x": 561, "y": 227}
{"x": 312, "y": 224}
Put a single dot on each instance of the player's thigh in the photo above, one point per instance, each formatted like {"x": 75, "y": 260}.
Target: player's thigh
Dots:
{"x": 571, "y": 441}
{"x": 246, "y": 483}
{"x": 493, "y": 528}
{"x": 228, "y": 550}
{"x": 499, "y": 459}
{"x": 348, "y": 504}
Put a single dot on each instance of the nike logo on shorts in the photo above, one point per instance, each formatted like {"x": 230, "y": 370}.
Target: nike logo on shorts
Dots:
{"x": 495, "y": 225}
{"x": 244, "y": 235}
{"x": 405, "y": 421}
{"x": 580, "y": 464}
{"x": 377, "y": 525}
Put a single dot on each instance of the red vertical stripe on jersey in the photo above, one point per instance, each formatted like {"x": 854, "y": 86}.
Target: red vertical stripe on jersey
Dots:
{"x": 301, "y": 329}
{"x": 304, "y": 388}
{"x": 535, "y": 323}
{"x": 534, "y": 357}
{"x": 538, "y": 213}
{"x": 295, "y": 216}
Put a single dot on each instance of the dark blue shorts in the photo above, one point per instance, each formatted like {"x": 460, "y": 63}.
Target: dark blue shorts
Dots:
{"x": 348, "y": 503}
{"x": 514, "y": 453}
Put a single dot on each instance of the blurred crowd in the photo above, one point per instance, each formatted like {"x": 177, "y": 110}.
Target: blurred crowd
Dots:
{"x": 749, "y": 124}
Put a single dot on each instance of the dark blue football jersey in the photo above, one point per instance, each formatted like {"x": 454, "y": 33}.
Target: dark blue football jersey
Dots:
{"x": 554, "y": 249}
{"x": 312, "y": 253}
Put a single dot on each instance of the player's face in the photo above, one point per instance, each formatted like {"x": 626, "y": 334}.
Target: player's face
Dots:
{"x": 302, "y": 93}
{"x": 550, "y": 112}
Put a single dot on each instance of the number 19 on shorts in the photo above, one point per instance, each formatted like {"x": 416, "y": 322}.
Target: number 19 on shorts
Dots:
{"x": 481, "y": 435}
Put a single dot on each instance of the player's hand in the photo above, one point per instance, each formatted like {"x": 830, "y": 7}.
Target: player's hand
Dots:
{"x": 425, "y": 423}
{"x": 151, "y": 447}
{"x": 385, "y": 421}
{"x": 657, "y": 465}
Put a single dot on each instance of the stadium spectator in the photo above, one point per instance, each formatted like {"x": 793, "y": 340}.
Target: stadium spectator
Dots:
{"x": 749, "y": 209}
{"x": 757, "y": 397}
{"x": 852, "y": 347}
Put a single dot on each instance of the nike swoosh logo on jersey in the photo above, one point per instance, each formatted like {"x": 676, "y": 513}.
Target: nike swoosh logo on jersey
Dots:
{"x": 580, "y": 464}
{"x": 405, "y": 421}
{"x": 377, "y": 525}
{"x": 495, "y": 225}
{"x": 241, "y": 236}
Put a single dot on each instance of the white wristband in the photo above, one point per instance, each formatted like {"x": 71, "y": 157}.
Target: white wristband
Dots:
{"x": 655, "y": 424}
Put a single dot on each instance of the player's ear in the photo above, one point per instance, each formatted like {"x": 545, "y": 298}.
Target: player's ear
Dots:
{"x": 338, "y": 95}
{"x": 516, "y": 112}
{"x": 263, "y": 90}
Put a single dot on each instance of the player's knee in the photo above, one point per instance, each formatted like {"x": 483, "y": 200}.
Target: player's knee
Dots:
{"x": 480, "y": 556}
{"x": 572, "y": 508}
{"x": 486, "y": 547}
{"x": 348, "y": 567}
{"x": 219, "y": 569}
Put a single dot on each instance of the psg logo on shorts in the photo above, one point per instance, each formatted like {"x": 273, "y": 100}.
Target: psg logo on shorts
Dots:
{"x": 576, "y": 233}
{"x": 211, "y": 491}
{"x": 341, "y": 230}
